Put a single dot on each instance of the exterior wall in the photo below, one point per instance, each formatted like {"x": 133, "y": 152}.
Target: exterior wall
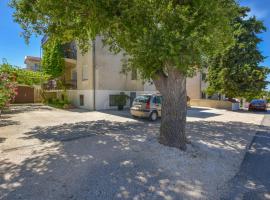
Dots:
{"x": 69, "y": 67}
{"x": 30, "y": 65}
{"x": 150, "y": 87}
{"x": 110, "y": 81}
{"x": 108, "y": 68}
{"x": 85, "y": 60}
{"x": 67, "y": 74}
{"x": 102, "y": 98}
{"x": 74, "y": 96}
{"x": 194, "y": 86}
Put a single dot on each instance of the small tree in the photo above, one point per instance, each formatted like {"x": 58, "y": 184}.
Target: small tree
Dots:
{"x": 11, "y": 76}
{"x": 53, "y": 58}
{"x": 7, "y": 89}
{"x": 166, "y": 40}
{"x": 237, "y": 72}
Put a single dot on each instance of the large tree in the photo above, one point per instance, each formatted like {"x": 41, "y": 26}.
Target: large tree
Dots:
{"x": 237, "y": 72}
{"x": 166, "y": 40}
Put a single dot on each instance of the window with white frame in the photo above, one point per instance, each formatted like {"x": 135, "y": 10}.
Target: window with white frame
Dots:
{"x": 85, "y": 72}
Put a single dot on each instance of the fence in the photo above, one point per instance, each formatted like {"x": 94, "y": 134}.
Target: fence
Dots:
{"x": 211, "y": 103}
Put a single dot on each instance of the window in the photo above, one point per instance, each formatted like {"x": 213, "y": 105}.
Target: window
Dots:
{"x": 134, "y": 74}
{"x": 36, "y": 67}
{"x": 85, "y": 72}
{"x": 203, "y": 76}
{"x": 112, "y": 99}
{"x": 74, "y": 75}
{"x": 158, "y": 100}
{"x": 142, "y": 98}
{"x": 81, "y": 100}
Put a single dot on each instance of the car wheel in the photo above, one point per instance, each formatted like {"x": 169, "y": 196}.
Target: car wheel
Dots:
{"x": 154, "y": 116}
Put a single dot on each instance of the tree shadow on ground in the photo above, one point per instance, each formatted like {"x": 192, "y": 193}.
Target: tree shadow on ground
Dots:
{"x": 105, "y": 160}
{"x": 4, "y": 122}
{"x": 202, "y": 113}
{"x": 2, "y": 139}
{"x": 252, "y": 181}
{"x": 22, "y": 108}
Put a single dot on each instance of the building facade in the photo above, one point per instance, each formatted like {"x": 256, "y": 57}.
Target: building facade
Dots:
{"x": 98, "y": 77}
{"x": 32, "y": 63}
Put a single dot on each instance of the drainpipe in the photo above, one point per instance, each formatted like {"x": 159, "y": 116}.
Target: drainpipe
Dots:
{"x": 201, "y": 84}
{"x": 94, "y": 73}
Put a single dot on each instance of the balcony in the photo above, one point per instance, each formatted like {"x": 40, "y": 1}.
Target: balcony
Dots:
{"x": 44, "y": 40}
{"x": 70, "y": 50}
{"x": 53, "y": 85}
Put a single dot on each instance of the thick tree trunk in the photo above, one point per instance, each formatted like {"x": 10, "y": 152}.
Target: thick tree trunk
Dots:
{"x": 174, "y": 108}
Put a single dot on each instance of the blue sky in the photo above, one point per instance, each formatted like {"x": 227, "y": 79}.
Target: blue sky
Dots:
{"x": 14, "y": 49}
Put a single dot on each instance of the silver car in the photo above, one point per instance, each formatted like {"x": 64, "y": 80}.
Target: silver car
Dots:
{"x": 147, "y": 106}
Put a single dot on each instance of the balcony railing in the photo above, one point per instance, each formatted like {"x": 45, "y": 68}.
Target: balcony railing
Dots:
{"x": 44, "y": 40}
{"x": 52, "y": 85}
{"x": 70, "y": 50}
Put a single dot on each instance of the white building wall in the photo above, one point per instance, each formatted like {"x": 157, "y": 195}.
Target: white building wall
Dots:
{"x": 103, "y": 100}
{"x": 74, "y": 97}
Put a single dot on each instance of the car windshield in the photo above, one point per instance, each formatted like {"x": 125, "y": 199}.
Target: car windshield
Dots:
{"x": 142, "y": 99}
{"x": 257, "y": 101}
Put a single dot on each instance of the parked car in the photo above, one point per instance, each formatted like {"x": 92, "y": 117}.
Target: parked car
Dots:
{"x": 147, "y": 105}
{"x": 258, "y": 104}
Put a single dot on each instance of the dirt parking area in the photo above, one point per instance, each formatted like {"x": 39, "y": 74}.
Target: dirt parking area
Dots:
{"x": 48, "y": 153}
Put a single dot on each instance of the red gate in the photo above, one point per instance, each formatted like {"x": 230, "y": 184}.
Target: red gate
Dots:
{"x": 25, "y": 95}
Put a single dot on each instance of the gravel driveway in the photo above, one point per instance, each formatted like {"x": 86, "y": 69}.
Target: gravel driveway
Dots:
{"x": 51, "y": 154}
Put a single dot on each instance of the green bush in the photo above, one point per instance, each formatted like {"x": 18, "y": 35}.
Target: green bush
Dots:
{"x": 8, "y": 89}
{"x": 24, "y": 77}
{"x": 121, "y": 100}
{"x": 61, "y": 102}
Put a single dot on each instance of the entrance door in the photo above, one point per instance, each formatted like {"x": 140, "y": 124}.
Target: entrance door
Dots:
{"x": 132, "y": 97}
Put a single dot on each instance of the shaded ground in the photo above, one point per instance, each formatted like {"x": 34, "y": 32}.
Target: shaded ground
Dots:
{"x": 253, "y": 179}
{"x": 22, "y": 108}
{"x": 108, "y": 155}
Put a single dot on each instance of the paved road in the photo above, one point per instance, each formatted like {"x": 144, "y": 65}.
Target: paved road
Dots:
{"x": 51, "y": 154}
{"x": 253, "y": 180}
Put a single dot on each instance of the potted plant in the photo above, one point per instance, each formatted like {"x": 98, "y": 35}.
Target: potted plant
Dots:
{"x": 121, "y": 100}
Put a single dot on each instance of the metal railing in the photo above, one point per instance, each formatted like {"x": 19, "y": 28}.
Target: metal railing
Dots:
{"x": 69, "y": 49}
{"x": 54, "y": 85}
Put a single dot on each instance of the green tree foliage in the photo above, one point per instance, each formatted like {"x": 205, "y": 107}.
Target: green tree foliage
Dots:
{"x": 11, "y": 76}
{"x": 165, "y": 40}
{"x": 7, "y": 89}
{"x": 237, "y": 72}
{"x": 24, "y": 77}
{"x": 53, "y": 58}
